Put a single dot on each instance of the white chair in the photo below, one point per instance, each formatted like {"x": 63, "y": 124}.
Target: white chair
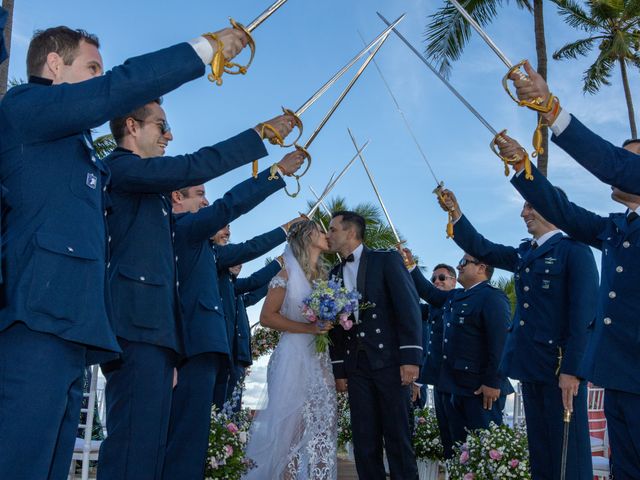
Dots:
{"x": 601, "y": 467}
{"x": 86, "y": 449}
{"x": 517, "y": 417}
{"x": 597, "y": 420}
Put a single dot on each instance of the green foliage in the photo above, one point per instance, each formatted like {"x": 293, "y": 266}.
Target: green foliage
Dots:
{"x": 228, "y": 437}
{"x": 104, "y": 145}
{"x": 508, "y": 286}
{"x": 448, "y": 32}
{"x": 344, "y": 420}
{"x": 613, "y": 26}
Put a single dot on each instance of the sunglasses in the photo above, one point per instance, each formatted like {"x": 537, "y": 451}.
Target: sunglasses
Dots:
{"x": 162, "y": 124}
{"x": 465, "y": 261}
{"x": 442, "y": 277}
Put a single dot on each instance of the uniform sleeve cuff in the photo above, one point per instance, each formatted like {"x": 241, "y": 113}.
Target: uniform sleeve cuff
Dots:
{"x": 203, "y": 49}
{"x": 561, "y": 122}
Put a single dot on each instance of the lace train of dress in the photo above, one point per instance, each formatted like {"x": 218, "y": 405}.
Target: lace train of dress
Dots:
{"x": 294, "y": 433}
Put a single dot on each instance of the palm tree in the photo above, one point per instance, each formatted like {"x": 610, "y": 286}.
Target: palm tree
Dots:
{"x": 104, "y": 145}
{"x": 447, "y": 34}
{"x": 4, "y": 68}
{"x": 612, "y": 25}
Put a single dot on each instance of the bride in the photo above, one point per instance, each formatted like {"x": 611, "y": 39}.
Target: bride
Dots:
{"x": 294, "y": 433}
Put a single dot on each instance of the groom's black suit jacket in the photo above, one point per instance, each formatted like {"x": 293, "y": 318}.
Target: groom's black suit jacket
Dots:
{"x": 391, "y": 332}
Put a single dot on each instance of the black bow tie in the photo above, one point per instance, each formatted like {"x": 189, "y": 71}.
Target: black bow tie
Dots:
{"x": 349, "y": 258}
{"x": 534, "y": 245}
{"x": 631, "y": 217}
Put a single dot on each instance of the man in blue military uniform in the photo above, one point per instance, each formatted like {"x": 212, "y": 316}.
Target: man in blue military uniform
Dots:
{"x": 476, "y": 318}
{"x": 378, "y": 359}
{"x": 3, "y": 57}
{"x": 227, "y": 255}
{"x": 238, "y": 293}
{"x": 204, "y": 329}
{"x": 443, "y": 278}
{"x": 613, "y": 353}
{"x": 617, "y": 166}
{"x": 556, "y": 282}
{"x": 55, "y": 320}
{"x": 146, "y": 309}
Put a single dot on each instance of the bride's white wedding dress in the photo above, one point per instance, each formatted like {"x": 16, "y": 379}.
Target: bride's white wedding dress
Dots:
{"x": 294, "y": 433}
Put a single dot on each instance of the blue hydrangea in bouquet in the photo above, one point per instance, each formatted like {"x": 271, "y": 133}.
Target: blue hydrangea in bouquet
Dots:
{"x": 330, "y": 302}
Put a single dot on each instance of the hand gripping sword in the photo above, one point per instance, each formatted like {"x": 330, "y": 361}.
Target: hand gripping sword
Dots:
{"x": 537, "y": 104}
{"x": 277, "y": 139}
{"x": 220, "y": 64}
{"x": 497, "y": 137}
{"x": 305, "y": 148}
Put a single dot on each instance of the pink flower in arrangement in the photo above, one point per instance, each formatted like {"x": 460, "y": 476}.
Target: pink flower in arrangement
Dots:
{"x": 464, "y": 457}
{"x": 232, "y": 428}
{"x": 495, "y": 454}
{"x": 514, "y": 463}
{"x": 422, "y": 420}
{"x": 228, "y": 449}
{"x": 345, "y": 322}
{"x": 469, "y": 476}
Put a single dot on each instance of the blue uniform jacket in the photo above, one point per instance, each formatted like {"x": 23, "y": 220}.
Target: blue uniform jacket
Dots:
{"x": 432, "y": 329}
{"x": 613, "y": 352}
{"x": 55, "y": 240}
{"x": 142, "y": 269}
{"x": 203, "y": 325}
{"x": 390, "y": 332}
{"x": 243, "y": 287}
{"x": 235, "y": 254}
{"x": 557, "y": 290}
{"x": 611, "y": 164}
{"x": 475, "y": 329}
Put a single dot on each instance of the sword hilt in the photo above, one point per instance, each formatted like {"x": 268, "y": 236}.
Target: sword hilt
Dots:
{"x": 297, "y": 122}
{"x": 221, "y": 65}
{"x": 297, "y": 177}
{"x": 438, "y": 192}
{"x": 511, "y": 160}
{"x": 566, "y": 417}
{"x": 537, "y": 104}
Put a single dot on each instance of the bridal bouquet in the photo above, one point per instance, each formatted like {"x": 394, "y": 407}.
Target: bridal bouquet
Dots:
{"x": 497, "y": 452}
{"x": 329, "y": 302}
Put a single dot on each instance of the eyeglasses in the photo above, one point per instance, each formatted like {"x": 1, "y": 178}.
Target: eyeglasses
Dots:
{"x": 465, "y": 261}
{"x": 162, "y": 124}
{"x": 442, "y": 277}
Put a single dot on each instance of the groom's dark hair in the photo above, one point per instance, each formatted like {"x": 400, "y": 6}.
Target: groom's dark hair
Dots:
{"x": 353, "y": 219}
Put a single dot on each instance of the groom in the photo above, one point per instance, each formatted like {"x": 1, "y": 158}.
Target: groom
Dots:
{"x": 377, "y": 360}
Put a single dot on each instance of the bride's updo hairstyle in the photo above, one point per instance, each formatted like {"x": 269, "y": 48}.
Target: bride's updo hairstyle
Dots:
{"x": 300, "y": 238}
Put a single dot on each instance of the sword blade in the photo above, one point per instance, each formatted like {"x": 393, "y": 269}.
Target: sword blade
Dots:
{"x": 346, "y": 90}
{"x": 341, "y": 72}
{"x": 375, "y": 188}
{"x": 451, "y": 88}
{"x": 322, "y": 204}
{"x": 481, "y": 32}
{"x": 264, "y": 15}
{"x": 340, "y": 175}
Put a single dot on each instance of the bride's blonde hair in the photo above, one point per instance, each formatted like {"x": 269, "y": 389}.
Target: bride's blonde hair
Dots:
{"x": 300, "y": 238}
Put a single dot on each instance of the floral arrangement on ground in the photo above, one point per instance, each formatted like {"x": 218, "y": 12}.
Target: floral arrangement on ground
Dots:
{"x": 228, "y": 437}
{"x": 263, "y": 341}
{"x": 426, "y": 435}
{"x": 344, "y": 420}
{"x": 497, "y": 452}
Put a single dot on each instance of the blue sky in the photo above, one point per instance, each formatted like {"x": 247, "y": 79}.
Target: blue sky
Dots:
{"x": 300, "y": 47}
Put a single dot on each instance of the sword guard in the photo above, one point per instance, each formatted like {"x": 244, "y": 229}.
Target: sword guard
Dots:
{"x": 438, "y": 192}
{"x": 511, "y": 160}
{"x": 566, "y": 418}
{"x": 307, "y": 155}
{"x": 220, "y": 65}
{"x": 537, "y": 104}
{"x": 297, "y": 123}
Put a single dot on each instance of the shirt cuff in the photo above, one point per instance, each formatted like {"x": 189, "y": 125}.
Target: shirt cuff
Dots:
{"x": 561, "y": 123}
{"x": 203, "y": 49}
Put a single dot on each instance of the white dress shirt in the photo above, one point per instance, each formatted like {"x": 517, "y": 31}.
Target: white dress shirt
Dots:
{"x": 350, "y": 273}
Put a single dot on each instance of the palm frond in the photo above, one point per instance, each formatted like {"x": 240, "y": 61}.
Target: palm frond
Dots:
{"x": 598, "y": 74}
{"x": 575, "y": 49}
{"x": 448, "y": 32}
{"x": 104, "y": 145}
{"x": 575, "y": 15}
